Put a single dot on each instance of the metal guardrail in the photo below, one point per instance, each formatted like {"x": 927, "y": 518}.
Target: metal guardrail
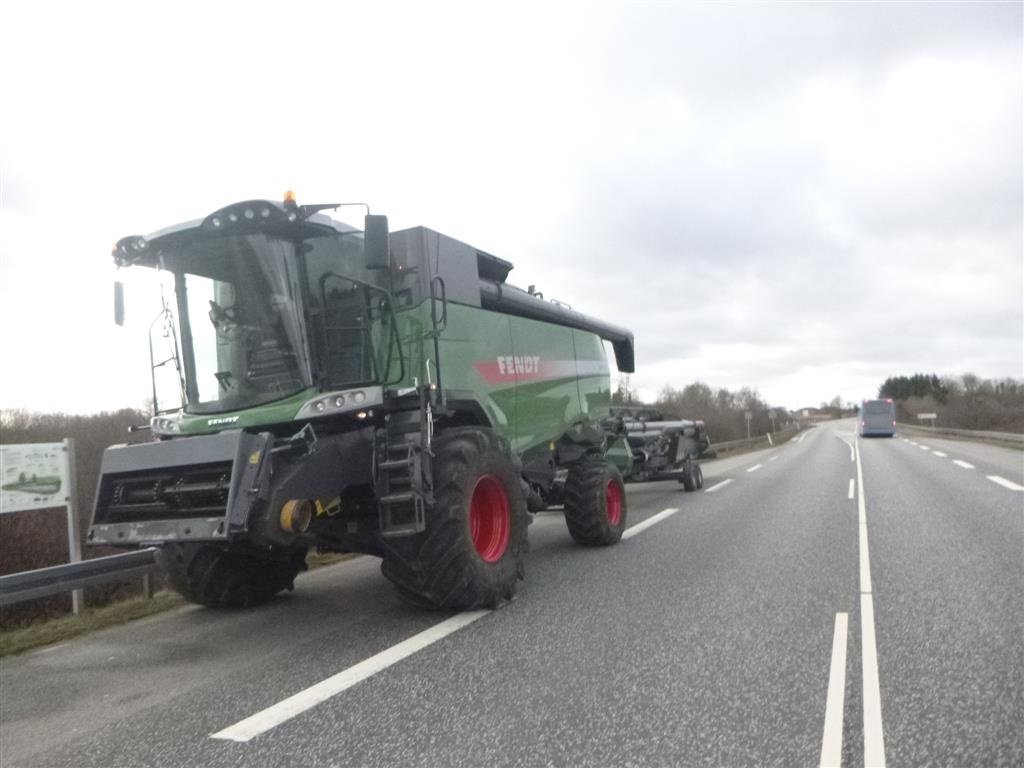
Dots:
{"x": 738, "y": 445}
{"x": 44, "y": 582}
{"x": 1013, "y": 438}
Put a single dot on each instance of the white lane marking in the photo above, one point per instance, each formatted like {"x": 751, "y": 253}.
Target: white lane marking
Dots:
{"x": 773, "y": 458}
{"x": 851, "y": 452}
{"x": 963, "y": 464}
{"x": 755, "y": 468}
{"x": 285, "y": 710}
{"x": 865, "y": 559}
{"x": 874, "y": 743}
{"x": 644, "y": 525}
{"x": 849, "y": 493}
{"x": 1005, "y": 483}
{"x": 939, "y": 453}
{"x": 924, "y": 447}
{"x": 911, "y": 442}
{"x": 832, "y": 733}
{"x": 715, "y": 487}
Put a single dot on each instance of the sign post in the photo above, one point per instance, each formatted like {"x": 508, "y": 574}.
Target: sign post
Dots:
{"x": 748, "y": 415}
{"x": 41, "y": 476}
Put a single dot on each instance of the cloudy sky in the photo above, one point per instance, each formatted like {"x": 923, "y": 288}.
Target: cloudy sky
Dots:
{"x": 801, "y": 198}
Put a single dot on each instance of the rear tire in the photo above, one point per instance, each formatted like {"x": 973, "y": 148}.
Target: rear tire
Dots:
{"x": 218, "y": 576}
{"x": 471, "y": 553}
{"x": 595, "y": 503}
{"x": 692, "y": 477}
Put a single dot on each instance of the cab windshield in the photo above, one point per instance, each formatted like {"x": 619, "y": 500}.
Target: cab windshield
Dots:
{"x": 241, "y": 322}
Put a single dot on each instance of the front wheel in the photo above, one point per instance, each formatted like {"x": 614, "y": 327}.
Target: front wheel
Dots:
{"x": 471, "y": 553}
{"x": 595, "y": 503}
{"x": 219, "y": 576}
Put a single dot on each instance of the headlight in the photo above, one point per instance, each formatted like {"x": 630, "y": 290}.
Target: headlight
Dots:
{"x": 165, "y": 425}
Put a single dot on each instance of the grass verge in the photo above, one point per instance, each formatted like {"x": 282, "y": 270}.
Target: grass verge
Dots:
{"x": 58, "y": 630}
{"x": 66, "y": 627}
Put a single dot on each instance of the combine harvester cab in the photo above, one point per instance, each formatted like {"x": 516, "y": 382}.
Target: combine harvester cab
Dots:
{"x": 358, "y": 391}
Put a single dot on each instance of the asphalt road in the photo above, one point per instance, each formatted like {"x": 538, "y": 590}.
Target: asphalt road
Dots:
{"x": 707, "y": 638}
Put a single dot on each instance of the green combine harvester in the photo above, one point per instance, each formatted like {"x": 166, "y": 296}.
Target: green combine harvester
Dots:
{"x": 358, "y": 391}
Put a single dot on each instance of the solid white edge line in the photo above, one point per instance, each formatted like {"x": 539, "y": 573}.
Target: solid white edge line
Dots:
{"x": 645, "y": 524}
{"x": 963, "y": 464}
{"x": 849, "y": 493}
{"x": 940, "y": 454}
{"x": 832, "y": 732}
{"x": 865, "y": 560}
{"x": 716, "y": 486}
{"x": 755, "y": 467}
{"x": 285, "y": 710}
{"x": 874, "y": 743}
{"x": 1005, "y": 483}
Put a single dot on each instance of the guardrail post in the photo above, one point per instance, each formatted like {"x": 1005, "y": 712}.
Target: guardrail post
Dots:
{"x": 74, "y": 538}
{"x": 147, "y": 587}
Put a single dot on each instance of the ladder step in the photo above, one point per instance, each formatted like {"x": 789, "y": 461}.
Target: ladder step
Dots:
{"x": 397, "y": 498}
{"x": 395, "y": 463}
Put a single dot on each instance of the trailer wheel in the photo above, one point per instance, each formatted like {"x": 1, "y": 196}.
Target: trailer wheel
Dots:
{"x": 224, "y": 577}
{"x": 692, "y": 477}
{"x": 595, "y": 503}
{"x": 471, "y": 553}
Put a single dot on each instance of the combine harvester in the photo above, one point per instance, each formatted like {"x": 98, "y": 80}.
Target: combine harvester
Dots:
{"x": 358, "y": 391}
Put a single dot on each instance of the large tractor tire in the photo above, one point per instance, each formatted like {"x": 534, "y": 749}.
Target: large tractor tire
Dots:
{"x": 471, "y": 553}
{"x": 218, "y": 576}
{"x": 595, "y": 502}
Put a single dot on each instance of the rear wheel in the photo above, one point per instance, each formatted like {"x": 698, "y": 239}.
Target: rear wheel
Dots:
{"x": 471, "y": 553}
{"x": 218, "y": 576}
{"x": 595, "y": 503}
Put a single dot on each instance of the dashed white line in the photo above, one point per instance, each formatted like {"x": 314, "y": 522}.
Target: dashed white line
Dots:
{"x": 911, "y": 442}
{"x": 849, "y": 493}
{"x": 716, "y": 486}
{"x": 963, "y": 464}
{"x": 1005, "y": 483}
{"x": 832, "y": 733}
{"x": 924, "y": 447}
{"x": 754, "y": 468}
{"x": 939, "y": 453}
{"x": 285, "y": 710}
{"x": 644, "y": 525}
{"x": 773, "y": 458}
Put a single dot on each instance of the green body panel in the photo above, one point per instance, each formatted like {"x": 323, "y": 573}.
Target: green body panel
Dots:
{"x": 534, "y": 381}
{"x": 620, "y": 454}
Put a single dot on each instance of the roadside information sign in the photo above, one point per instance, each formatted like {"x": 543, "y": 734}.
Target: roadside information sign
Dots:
{"x": 33, "y": 476}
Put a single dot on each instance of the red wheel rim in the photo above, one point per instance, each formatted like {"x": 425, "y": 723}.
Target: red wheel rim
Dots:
{"x": 490, "y": 521}
{"x": 613, "y": 502}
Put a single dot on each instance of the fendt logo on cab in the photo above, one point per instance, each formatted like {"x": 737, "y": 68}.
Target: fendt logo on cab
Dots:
{"x": 221, "y": 420}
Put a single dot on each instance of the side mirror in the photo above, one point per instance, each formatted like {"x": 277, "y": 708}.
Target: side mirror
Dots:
{"x": 119, "y": 302}
{"x": 376, "y": 242}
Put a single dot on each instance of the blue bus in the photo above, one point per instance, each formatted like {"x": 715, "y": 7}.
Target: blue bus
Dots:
{"x": 878, "y": 417}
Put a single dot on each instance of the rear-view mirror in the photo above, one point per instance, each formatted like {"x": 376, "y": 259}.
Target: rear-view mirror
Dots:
{"x": 376, "y": 242}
